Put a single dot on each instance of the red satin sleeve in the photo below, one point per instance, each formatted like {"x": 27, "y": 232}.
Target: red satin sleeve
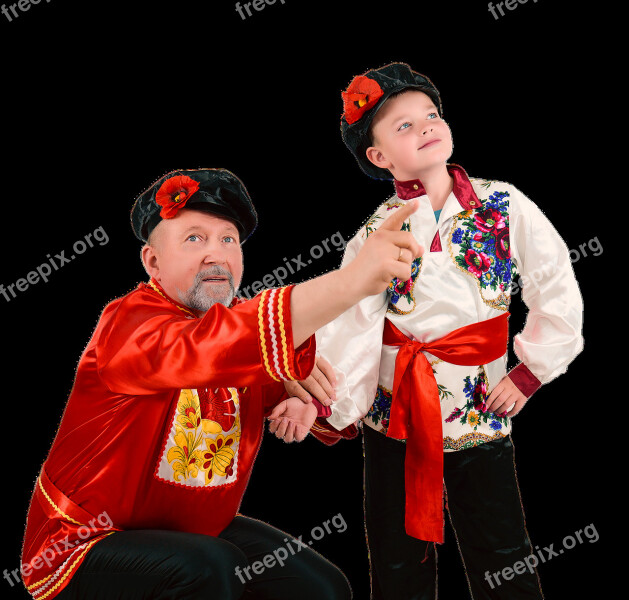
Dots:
{"x": 146, "y": 345}
{"x": 329, "y": 435}
{"x": 524, "y": 380}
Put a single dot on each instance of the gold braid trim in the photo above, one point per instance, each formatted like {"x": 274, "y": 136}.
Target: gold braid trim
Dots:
{"x": 40, "y": 582}
{"x": 69, "y": 570}
{"x": 68, "y": 518}
{"x": 181, "y": 308}
{"x": 265, "y": 355}
{"x": 283, "y": 334}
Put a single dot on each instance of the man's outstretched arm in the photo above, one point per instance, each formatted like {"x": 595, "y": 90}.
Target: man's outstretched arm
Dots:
{"x": 386, "y": 254}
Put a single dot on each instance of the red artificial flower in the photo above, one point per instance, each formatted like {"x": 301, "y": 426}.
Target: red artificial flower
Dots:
{"x": 361, "y": 95}
{"x": 174, "y": 193}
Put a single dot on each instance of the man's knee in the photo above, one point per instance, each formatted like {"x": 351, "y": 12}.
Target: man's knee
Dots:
{"x": 218, "y": 568}
{"x": 333, "y": 585}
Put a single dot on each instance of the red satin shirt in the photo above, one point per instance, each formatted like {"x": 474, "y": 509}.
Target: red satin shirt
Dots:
{"x": 162, "y": 426}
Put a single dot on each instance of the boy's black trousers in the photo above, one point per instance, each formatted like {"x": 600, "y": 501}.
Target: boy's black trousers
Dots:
{"x": 483, "y": 501}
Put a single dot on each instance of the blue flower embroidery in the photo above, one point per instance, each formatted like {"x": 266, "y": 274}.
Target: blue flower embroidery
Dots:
{"x": 381, "y": 408}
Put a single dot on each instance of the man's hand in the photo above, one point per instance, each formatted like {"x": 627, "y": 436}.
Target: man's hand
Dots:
{"x": 320, "y": 384}
{"x": 386, "y": 254}
{"x": 503, "y": 396}
{"x": 292, "y": 419}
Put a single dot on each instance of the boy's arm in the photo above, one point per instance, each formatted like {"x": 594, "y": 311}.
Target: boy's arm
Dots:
{"x": 551, "y": 337}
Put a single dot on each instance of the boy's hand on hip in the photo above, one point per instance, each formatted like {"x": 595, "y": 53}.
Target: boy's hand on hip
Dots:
{"x": 386, "y": 254}
{"x": 505, "y": 395}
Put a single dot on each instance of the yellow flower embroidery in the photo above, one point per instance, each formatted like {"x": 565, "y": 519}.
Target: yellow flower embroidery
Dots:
{"x": 192, "y": 454}
{"x": 189, "y": 416}
{"x": 219, "y": 457}
{"x": 185, "y": 455}
{"x": 473, "y": 419}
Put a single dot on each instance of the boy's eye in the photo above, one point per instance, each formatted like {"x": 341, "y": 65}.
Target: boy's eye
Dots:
{"x": 404, "y": 126}
{"x": 433, "y": 115}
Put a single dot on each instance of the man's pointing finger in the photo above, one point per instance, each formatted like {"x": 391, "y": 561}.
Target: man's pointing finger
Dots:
{"x": 395, "y": 221}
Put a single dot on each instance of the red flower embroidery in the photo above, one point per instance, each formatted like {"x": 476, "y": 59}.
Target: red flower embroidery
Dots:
{"x": 174, "y": 193}
{"x": 404, "y": 287}
{"x": 361, "y": 95}
{"x": 479, "y": 395}
{"x": 478, "y": 262}
{"x": 455, "y": 414}
{"x": 489, "y": 221}
{"x": 502, "y": 244}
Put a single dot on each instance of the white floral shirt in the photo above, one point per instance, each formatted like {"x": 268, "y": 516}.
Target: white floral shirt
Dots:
{"x": 489, "y": 238}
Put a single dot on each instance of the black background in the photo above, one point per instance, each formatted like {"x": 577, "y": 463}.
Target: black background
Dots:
{"x": 99, "y": 99}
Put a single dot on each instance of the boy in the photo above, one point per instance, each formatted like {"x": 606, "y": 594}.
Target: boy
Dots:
{"x": 425, "y": 362}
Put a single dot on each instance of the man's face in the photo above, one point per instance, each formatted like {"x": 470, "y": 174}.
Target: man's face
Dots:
{"x": 410, "y": 138}
{"x": 196, "y": 258}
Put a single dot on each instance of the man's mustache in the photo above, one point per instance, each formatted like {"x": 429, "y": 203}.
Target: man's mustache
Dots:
{"x": 215, "y": 271}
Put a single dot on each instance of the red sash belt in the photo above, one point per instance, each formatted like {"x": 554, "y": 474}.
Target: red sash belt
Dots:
{"x": 416, "y": 411}
{"x": 58, "y": 536}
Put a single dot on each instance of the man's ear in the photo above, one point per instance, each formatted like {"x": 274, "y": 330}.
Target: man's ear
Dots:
{"x": 375, "y": 156}
{"x": 150, "y": 261}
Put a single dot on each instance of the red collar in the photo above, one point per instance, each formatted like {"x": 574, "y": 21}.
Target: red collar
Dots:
{"x": 156, "y": 287}
{"x": 462, "y": 188}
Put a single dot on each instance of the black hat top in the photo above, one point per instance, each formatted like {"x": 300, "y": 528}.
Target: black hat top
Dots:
{"x": 216, "y": 191}
{"x": 364, "y": 97}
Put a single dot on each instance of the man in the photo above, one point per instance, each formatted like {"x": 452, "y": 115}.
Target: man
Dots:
{"x": 139, "y": 494}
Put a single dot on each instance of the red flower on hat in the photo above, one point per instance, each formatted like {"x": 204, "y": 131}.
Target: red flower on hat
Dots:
{"x": 174, "y": 193}
{"x": 361, "y": 95}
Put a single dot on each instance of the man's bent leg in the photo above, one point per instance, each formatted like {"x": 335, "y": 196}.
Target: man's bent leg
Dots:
{"x": 402, "y": 567}
{"x": 281, "y": 567}
{"x": 488, "y": 518}
{"x": 161, "y": 565}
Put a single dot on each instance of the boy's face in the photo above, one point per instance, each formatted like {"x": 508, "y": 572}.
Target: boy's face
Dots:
{"x": 410, "y": 139}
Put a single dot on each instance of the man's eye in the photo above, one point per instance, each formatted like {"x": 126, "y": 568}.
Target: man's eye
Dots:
{"x": 192, "y": 238}
{"x": 229, "y": 239}
{"x": 404, "y": 126}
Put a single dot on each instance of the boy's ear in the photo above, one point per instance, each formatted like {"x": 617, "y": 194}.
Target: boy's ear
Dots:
{"x": 375, "y": 156}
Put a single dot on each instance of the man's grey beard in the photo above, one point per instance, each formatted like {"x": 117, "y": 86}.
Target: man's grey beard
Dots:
{"x": 202, "y": 298}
